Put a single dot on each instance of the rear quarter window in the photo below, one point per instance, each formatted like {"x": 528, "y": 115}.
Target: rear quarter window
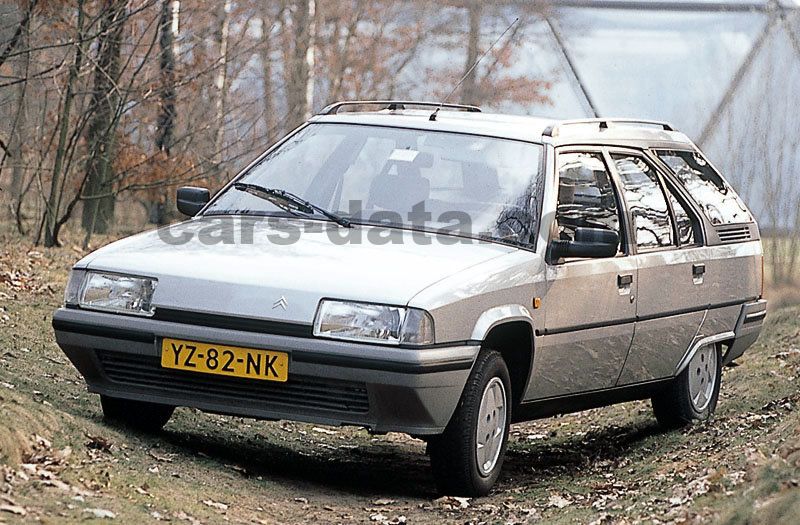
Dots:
{"x": 714, "y": 196}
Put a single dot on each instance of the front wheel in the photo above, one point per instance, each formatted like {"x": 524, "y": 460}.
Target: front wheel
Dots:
{"x": 467, "y": 458}
{"x": 139, "y": 415}
{"x": 694, "y": 393}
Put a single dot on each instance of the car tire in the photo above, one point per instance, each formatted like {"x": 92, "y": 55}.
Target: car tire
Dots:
{"x": 690, "y": 398}
{"x": 462, "y": 465}
{"x": 139, "y": 415}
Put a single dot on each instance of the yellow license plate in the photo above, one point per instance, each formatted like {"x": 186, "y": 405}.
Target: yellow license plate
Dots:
{"x": 224, "y": 360}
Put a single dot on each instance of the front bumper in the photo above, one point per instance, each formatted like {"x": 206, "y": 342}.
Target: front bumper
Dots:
{"x": 330, "y": 382}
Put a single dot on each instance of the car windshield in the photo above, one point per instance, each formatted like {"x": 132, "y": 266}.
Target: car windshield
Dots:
{"x": 472, "y": 186}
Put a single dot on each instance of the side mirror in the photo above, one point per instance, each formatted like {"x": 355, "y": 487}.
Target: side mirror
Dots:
{"x": 191, "y": 200}
{"x": 589, "y": 242}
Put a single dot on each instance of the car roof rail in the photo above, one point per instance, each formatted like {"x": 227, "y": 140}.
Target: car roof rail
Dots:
{"x": 605, "y": 123}
{"x": 394, "y": 105}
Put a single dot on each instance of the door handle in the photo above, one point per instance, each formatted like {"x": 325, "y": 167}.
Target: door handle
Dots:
{"x": 698, "y": 269}
{"x": 624, "y": 280}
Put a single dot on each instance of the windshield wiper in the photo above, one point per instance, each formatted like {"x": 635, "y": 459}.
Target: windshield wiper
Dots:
{"x": 289, "y": 202}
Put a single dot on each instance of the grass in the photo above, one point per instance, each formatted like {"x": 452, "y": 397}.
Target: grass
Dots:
{"x": 59, "y": 460}
{"x": 785, "y": 292}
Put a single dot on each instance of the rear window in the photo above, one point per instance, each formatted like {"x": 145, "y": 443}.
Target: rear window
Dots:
{"x": 715, "y": 196}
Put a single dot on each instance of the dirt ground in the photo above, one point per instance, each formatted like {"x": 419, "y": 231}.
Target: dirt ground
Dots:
{"x": 60, "y": 463}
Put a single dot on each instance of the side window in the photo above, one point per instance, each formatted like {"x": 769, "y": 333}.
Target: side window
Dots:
{"x": 717, "y": 199}
{"x": 684, "y": 221}
{"x": 585, "y": 195}
{"x": 650, "y": 215}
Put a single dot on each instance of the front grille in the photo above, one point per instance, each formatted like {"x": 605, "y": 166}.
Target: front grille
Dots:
{"x": 733, "y": 233}
{"x": 299, "y": 392}
{"x": 230, "y": 322}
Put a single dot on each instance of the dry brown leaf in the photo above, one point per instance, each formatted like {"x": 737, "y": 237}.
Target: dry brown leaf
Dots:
{"x": 558, "y": 501}
{"x": 166, "y": 458}
{"x": 101, "y": 514}
{"x": 215, "y": 504}
{"x": 182, "y": 516}
{"x": 13, "y": 509}
{"x": 452, "y": 502}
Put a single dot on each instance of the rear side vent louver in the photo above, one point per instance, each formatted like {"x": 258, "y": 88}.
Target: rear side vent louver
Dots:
{"x": 729, "y": 234}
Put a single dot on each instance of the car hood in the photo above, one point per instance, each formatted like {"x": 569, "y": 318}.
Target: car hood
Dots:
{"x": 243, "y": 266}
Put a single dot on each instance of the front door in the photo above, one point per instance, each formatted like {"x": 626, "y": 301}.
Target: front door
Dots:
{"x": 589, "y": 303}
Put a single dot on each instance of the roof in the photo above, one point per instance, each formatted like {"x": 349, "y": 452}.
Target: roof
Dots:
{"x": 516, "y": 127}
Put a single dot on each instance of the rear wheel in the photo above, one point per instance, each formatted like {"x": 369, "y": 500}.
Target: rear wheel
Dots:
{"x": 694, "y": 393}
{"x": 139, "y": 415}
{"x": 467, "y": 458}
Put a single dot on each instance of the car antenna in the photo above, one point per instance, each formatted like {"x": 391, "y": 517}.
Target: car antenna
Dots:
{"x": 432, "y": 118}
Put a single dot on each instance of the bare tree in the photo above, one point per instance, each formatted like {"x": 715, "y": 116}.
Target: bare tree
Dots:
{"x": 98, "y": 210}
{"x": 469, "y": 88}
{"x": 345, "y": 35}
{"x": 59, "y": 174}
{"x": 763, "y": 161}
{"x": 91, "y": 115}
{"x": 165, "y": 127}
{"x": 22, "y": 28}
{"x": 778, "y": 148}
{"x": 270, "y": 19}
{"x": 168, "y": 34}
{"x": 221, "y": 79}
{"x": 17, "y": 141}
{"x": 300, "y": 63}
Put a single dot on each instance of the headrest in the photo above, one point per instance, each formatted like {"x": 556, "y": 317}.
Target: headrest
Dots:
{"x": 398, "y": 192}
{"x": 480, "y": 181}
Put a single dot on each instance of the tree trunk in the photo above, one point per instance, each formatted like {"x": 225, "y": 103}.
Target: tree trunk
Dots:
{"x": 221, "y": 80}
{"x": 300, "y": 78}
{"x": 98, "y": 209}
{"x": 8, "y": 47}
{"x": 469, "y": 88}
{"x": 343, "y": 60}
{"x": 165, "y": 131}
{"x": 54, "y": 198}
{"x": 270, "y": 116}
{"x": 270, "y": 122}
{"x": 19, "y": 125}
{"x": 15, "y": 144}
{"x": 168, "y": 29}
{"x": 310, "y": 58}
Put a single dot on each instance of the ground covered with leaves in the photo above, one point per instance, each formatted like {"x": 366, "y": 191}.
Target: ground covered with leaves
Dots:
{"x": 59, "y": 462}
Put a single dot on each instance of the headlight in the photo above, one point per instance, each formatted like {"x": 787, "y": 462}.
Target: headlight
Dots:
{"x": 72, "y": 293}
{"x": 373, "y": 323}
{"x": 116, "y": 293}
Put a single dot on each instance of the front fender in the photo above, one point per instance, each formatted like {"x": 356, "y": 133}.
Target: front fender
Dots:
{"x": 500, "y": 315}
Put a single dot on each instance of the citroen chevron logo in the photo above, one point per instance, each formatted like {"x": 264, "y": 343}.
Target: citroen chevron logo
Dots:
{"x": 282, "y": 303}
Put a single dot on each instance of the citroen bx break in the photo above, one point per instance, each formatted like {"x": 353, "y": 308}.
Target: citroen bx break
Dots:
{"x": 434, "y": 270}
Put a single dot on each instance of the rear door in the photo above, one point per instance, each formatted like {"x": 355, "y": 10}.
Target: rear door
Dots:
{"x": 589, "y": 303}
{"x": 732, "y": 252}
{"x": 667, "y": 240}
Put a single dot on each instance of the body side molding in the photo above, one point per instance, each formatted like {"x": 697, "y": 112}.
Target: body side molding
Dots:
{"x": 684, "y": 362}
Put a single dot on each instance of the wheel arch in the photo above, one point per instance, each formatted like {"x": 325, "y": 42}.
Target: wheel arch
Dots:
{"x": 724, "y": 338}
{"x": 509, "y": 331}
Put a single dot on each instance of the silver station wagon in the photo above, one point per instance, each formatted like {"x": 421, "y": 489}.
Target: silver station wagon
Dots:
{"x": 434, "y": 270}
